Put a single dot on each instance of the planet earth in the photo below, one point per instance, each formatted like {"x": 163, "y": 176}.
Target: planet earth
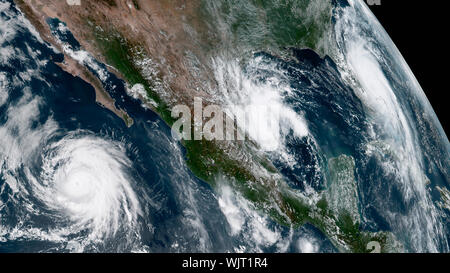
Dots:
{"x": 341, "y": 149}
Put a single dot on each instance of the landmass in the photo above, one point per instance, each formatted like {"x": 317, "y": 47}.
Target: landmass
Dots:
{"x": 166, "y": 47}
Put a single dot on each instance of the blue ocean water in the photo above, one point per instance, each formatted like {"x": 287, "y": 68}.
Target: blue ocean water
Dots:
{"x": 140, "y": 194}
{"x": 179, "y": 212}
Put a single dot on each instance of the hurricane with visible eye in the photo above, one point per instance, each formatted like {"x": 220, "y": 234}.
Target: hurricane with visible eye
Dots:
{"x": 85, "y": 179}
{"x": 75, "y": 178}
{"x": 352, "y": 153}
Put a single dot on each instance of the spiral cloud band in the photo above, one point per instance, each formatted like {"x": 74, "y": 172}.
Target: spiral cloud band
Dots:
{"x": 85, "y": 178}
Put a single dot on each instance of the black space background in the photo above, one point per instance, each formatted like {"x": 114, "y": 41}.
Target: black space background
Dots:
{"x": 419, "y": 29}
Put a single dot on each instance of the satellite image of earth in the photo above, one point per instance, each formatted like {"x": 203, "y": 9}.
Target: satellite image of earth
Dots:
{"x": 330, "y": 143}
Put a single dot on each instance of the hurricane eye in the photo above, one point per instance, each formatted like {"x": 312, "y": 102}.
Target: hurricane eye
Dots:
{"x": 83, "y": 177}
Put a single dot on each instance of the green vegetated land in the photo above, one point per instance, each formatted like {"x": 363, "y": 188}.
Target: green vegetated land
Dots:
{"x": 208, "y": 160}
{"x": 270, "y": 24}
